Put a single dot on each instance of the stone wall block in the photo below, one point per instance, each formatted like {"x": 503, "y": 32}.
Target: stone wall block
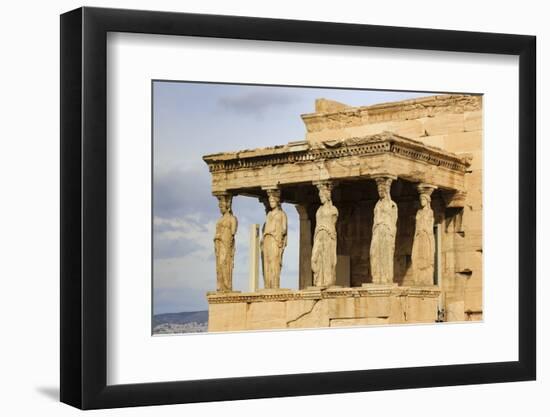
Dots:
{"x": 436, "y": 141}
{"x": 318, "y": 317}
{"x": 378, "y": 306}
{"x": 455, "y": 311}
{"x": 473, "y": 299}
{"x": 323, "y": 135}
{"x": 421, "y": 309}
{"x": 369, "y": 129}
{"x": 408, "y": 128}
{"x": 473, "y": 121}
{"x": 298, "y": 308}
{"x": 398, "y": 310}
{"x": 227, "y": 317}
{"x": 472, "y": 220}
{"x": 443, "y": 124}
{"x": 342, "y": 307}
{"x": 266, "y": 315}
{"x": 463, "y": 142}
{"x": 474, "y": 182}
{"x": 471, "y": 241}
{"x": 474, "y": 316}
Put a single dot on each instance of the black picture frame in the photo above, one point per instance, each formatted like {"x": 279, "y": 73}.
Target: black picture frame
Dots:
{"x": 84, "y": 207}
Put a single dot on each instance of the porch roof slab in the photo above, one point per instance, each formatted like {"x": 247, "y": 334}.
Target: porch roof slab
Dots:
{"x": 352, "y": 158}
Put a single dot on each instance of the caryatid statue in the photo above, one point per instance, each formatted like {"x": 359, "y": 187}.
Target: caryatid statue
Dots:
{"x": 384, "y": 229}
{"x": 265, "y": 201}
{"x": 224, "y": 243}
{"x": 423, "y": 250}
{"x": 274, "y": 239}
{"x": 323, "y": 253}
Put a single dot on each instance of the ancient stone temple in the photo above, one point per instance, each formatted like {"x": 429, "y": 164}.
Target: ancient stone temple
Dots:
{"x": 390, "y": 207}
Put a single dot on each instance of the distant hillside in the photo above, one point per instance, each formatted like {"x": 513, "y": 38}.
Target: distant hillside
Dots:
{"x": 181, "y": 318}
{"x": 184, "y": 322}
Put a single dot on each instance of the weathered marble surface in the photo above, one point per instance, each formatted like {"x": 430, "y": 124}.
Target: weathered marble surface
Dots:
{"x": 384, "y": 230}
{"x": 323, "y": 256}
{"x": 224, "y": 243}
{"x": 274, "y": 240}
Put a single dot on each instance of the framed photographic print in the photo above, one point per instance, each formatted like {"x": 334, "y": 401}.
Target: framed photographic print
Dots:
{"x": 258, "y": 207}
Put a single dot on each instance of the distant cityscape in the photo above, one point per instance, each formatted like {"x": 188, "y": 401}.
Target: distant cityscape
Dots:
{"x": 183, "y": 322}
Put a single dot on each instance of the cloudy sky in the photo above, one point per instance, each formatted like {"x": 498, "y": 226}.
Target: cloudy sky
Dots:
{"x": 194, "y": 119}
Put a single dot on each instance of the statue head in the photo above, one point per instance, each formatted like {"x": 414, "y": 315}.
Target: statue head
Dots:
{"x": 224, "y": 202}
{"x": 325, "y": 192}
{"x": 425, "y": 192}
{"x": 425, "y": 200}
{"x": 383, "y": 185}
{"x": 274, "y": 198}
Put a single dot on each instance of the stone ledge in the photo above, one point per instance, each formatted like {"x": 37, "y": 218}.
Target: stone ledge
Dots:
{"x": 368, "y": 290}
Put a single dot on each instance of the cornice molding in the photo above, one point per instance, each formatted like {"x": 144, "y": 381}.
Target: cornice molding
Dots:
{"x": 304, "y": 152}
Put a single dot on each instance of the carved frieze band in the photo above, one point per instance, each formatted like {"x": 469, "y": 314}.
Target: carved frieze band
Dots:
{"x": 376, "y": 144}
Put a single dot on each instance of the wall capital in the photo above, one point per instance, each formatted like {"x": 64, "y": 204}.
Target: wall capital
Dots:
{"x": 425, "y": 189}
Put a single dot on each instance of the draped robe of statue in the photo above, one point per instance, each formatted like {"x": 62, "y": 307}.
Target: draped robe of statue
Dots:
{"x": 323, "y": 253}
{"x": 224, "y": 248}
{"x": 265, "y": 202}
{"x": 273, "y": 245}
{"x": 382, "y": 246}
{"x": 423, "y": 247}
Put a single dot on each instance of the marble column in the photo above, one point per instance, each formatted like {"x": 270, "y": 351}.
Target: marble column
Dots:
{"x": 323, "y": 254}
{"x": 254, "y": 255}
{"x": 306, "y": 277}
{"x": 274, "y": 240}
{"x": 265, "y": 203}
{"x": 224, "y": 243}
{"x": 384, "y": 230}
{"x": 423, "y": 250}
